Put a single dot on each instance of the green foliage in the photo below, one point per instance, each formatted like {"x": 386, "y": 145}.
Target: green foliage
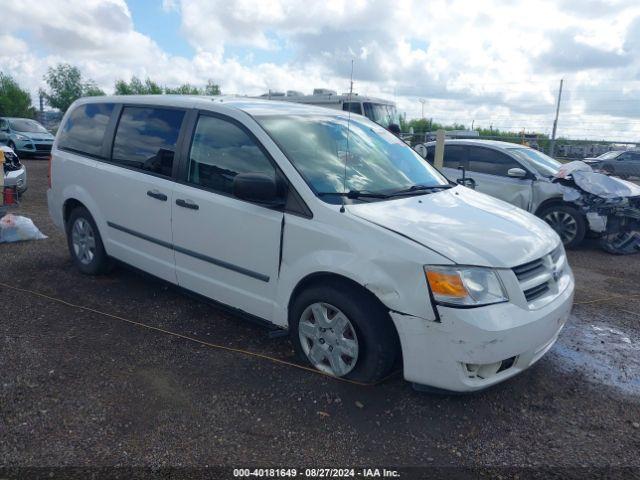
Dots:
{"x": 212, "y": 89}
{"x": 14, "y": 101}
{"x": 185, "y": 89}
{"x": 66, "y": 85}
{"x": 136, "y": 87}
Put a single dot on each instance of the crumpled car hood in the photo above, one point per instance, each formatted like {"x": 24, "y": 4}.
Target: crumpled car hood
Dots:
{"x": 465, "y": 226}
{"x": 605, "y": 186}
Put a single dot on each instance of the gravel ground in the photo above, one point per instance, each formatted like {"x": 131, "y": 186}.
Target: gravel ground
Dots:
{"x": 81, "y": 389}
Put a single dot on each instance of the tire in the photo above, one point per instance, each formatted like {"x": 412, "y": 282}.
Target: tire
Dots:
{"x": 12, "y": 146}
{"x": 369, "y": 330}
{"x": 621, "y": 243}
{"x": 567, "y": 221}
{"x": 85, "y": 244}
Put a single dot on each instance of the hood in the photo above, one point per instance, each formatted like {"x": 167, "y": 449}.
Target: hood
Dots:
{"x": 465, "y": 226}
{"x": 36, "y": 135}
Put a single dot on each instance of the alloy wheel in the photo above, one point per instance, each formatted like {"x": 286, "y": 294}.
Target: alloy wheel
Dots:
{"x": 83, "y": 240}
{"x": 563, "y": 223}
{"x": 328, "y": 339}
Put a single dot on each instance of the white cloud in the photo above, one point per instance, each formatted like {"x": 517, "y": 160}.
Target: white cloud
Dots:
{"x": 494, "y": 62}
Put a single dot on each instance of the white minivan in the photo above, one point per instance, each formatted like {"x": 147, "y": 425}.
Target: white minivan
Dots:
{"x": 325, "y": 225}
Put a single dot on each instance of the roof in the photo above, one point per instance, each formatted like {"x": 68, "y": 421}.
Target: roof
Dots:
{"x": 252, "y": 106}
{"x": 486, "y": 143}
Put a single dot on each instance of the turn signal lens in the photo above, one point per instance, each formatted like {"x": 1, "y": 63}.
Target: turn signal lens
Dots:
{"x": 464, "y": 286}
{"x": 447, "y": 284}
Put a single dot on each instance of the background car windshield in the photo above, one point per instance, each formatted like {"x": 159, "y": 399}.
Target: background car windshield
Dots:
{"x": 544, "y": 164}
{"x": 27, "y": 126}
{"x": 377, "y": 162}
{"x": 381, "y": 114}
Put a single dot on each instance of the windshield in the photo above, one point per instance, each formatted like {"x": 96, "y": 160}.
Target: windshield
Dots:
{"x": 378, "y": 162}
{"x": 609, "y": 155}
{"x": 544, "y": 164}
{"x": 382, "y": 114}
{"x": 24, "y": 125}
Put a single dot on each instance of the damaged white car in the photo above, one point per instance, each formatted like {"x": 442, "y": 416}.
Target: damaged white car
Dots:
{"x": 610, "y": 205}
{"x": 591, "y": 204}
{"x": 321, "y": 223}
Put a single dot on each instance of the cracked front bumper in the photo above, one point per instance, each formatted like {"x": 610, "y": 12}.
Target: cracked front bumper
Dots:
{"x": 469, "y": 348}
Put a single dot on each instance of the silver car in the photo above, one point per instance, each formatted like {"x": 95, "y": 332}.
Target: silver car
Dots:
{"x": 15, "y": 174}
{"x": 621, "y": 163}
{"x": 521, "y": 176}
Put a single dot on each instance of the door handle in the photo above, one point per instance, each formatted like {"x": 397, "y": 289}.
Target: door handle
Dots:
{"x": 157, "y": 195}
{"x": 187, "y": 204}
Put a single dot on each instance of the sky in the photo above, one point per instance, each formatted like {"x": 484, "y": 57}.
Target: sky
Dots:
{"x": 483, "y": 62}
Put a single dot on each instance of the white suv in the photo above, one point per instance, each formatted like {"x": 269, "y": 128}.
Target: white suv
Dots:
{"x": 325, "y": 225}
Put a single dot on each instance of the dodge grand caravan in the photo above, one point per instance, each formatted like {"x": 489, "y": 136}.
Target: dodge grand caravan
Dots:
{"x": 324, "y": 225}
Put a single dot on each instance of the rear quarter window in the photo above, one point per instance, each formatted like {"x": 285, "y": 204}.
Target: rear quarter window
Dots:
{"x": 84, "y": 129}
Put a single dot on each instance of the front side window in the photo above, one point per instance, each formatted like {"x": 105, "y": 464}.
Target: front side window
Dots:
{"x": 4, "y": 125}
{"x": 85, "y": 127}
{"x": 324, "y": 148}
{"x": 146, "y": 138}
{"x": 454, "y": 156}
{"x": 490, "y": 162}
{"x": 221, "y": 150}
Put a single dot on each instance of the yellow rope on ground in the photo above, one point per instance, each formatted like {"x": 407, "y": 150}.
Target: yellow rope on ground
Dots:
{"x": 606, "y": 299}
{"x": 196, "y": 340}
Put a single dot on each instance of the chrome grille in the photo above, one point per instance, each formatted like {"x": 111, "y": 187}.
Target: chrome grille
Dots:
{"x": 539, "y": 278}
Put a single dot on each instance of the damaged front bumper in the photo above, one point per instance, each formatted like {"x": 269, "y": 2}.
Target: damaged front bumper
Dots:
{"x": 474, "y": 348}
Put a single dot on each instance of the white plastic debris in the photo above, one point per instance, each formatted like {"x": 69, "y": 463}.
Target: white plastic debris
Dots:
{"x": 15, "y": 228}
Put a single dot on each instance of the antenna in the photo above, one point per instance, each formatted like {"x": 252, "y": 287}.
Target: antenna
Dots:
{"x": 346, "y": 158}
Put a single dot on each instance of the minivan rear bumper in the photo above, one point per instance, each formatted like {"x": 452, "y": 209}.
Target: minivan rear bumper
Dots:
{"x": 472, "y": 349}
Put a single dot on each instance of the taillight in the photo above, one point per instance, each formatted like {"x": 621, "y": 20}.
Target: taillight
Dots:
{"x": 49, "y": 175}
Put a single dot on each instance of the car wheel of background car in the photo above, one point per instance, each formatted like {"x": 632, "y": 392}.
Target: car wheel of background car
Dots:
{"x": 608, "y": 169}
{"x": 12, "y": 146}
{"x": 342, "y": 332}
{"x": 568, "y": 222}
{"x": 85, "y": 243}
{"x": 621, "y": 243}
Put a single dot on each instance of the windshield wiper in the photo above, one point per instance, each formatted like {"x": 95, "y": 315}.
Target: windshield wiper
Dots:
{"x": 418, "y": 189}
{"x": 355, "y": 194}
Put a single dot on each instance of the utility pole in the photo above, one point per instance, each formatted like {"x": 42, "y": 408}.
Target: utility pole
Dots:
{"x": 552, "y": 147}
{"x": 422, "y": 101}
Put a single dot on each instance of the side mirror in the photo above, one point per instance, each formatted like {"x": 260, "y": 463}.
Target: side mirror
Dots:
{"x": 517, "y": 173}
{"x": 467, "y": 182}
{"x": 257, "y": 187}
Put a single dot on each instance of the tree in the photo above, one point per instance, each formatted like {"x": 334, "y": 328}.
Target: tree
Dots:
{"x": 14, "y": 101}
{"x": 185, "y": 89}
{"x": 136, "y": 87}
{"x": 212, "y": 89}
{"x": 66, "y": 85}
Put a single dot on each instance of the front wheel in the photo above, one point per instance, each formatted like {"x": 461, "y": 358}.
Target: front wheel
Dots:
{"x": 342, "y": 332}
{"x": 568, "y": 223}
{"x": 621, "y": 243}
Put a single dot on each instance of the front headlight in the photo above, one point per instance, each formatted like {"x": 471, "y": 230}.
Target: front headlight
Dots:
{"x": 22, "y": 138}
{"x": 465, "y": 286}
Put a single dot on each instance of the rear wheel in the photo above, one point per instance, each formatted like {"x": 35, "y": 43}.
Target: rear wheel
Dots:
{"x": 12, "y": 146}
{"x": 568, "y": 223}
{"x": 342, "y": 332}
{"x": 85, "y": 244}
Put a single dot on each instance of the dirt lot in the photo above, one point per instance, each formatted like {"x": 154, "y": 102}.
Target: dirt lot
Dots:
{"x": 83, "y": 389}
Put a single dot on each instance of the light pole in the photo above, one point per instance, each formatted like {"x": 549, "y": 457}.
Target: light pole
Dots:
{"x": 422, "y": 101}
